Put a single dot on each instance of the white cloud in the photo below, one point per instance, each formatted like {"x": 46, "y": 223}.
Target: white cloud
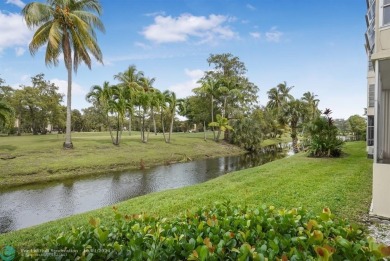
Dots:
{"x": 255, "y": 35}
{"x": 273, "y": 35}
{"x": 19, "y": 51}
{"x": 13, "y": 30}
{"x": 18, "y": 3}
{"x": 155, "y": 13}
{"x": 184, "y": 89}
{"x": 167, "y": 29}
{"x": 251, "y": 7}
{"x": 142, "y": 45}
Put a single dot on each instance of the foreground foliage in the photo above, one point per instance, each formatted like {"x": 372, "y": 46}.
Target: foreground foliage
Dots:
{"x": 222, "y": 232}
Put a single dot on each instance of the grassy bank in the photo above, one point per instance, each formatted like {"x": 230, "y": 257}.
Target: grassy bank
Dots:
{"x": 343, "y": 184}
{"x": 33, "y": 159}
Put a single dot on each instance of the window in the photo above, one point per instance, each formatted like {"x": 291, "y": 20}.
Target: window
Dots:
{"x": 370, "y": 131}
{"x": 386, "y": 12}
{"x": 371, "y": 95}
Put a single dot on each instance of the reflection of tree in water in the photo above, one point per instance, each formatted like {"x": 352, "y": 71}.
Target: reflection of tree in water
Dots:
{"x": 265, "y": 155}
{"x": 6, "y": 223}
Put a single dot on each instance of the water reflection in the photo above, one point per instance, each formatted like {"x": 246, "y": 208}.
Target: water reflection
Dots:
{"x": 35, "y": 204}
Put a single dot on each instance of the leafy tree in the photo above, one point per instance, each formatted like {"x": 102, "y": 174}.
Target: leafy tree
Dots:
{"x": 5, "y": 112}
{"x": 93, "y": 119}
{"x": 77, "y": 121}
{"x": 235, "y": 95}
{"x": 66, "y": 27}
{"x": 358, "y": 126}
{"x": 247, "y": 133}
{"x": 37, "y": 105}
{"x": 343, "y": 126}
{"x": 323, "y": 137}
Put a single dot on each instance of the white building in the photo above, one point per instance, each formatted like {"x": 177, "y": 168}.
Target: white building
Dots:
{"x": 378, "y": 107}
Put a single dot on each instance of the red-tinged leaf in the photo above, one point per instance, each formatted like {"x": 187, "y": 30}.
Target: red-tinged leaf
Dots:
{"x": 207, "y": 242}
{"x": 95, "y": 222}
{"x": 284, "y": 257}
{"x": 311, "y": 224}
{"x": 330, "y": 249}
{"x": 318, "y": 236}
{"x": 232, "y": 235}
{"x": 327, "y": 211}
{"x": 385, "y": 250}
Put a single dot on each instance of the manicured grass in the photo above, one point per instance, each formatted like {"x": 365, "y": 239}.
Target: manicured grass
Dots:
{"x": 342, "y": 184}
{"x": 42, "y": 158}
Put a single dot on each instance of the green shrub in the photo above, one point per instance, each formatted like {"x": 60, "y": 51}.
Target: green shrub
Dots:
{"x": 221, "y": 232}
{"x": 323, "y": 137}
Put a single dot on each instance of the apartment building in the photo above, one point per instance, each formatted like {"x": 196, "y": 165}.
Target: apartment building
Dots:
{"x": 378, "y": 107}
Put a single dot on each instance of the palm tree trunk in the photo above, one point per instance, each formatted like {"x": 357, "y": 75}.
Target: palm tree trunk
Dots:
{"x": 68, "y": 64}
{"x": 110, "y": 130}
{"x": 212, "y": 114}
{"x": 171, "y": 128}
{"x": 117, "y": 131}
{"x": 129, "y": 124}
{"x": 68, "y": 140}
{"x": 163, "y": 127}
{"x": 294, "y": 137}
{"x": 154, "y": 122}
{"x": 204, "y": 130}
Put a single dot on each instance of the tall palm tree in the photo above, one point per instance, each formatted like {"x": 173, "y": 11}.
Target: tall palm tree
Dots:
{"x": 131, "y": 79}
{"x": 284, "y": 91}
{"x": 275, "y": 99}
{"x": 291, "y": 115}
{"x": 119, "y": 105}
{"x": 210, "y": 88}
{"x": 67, "y": 27}
{"x": 101, "y": 96}
{"x": 170, "y": 97}
{"x": 312, "y": 103}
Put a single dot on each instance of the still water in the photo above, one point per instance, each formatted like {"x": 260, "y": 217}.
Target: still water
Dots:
{"x": 35, "y": 204}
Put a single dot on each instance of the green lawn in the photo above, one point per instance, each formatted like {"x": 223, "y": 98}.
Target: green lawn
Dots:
{"x": 343, "y": 185}
{"x": 41, "y": 158}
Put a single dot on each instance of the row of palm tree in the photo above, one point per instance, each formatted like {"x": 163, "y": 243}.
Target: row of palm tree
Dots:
{"x": 290, "y": 112}
{"x": 134, "y": 95}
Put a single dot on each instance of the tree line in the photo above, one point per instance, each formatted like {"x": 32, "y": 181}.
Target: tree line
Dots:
{"x": 225, "y": 102}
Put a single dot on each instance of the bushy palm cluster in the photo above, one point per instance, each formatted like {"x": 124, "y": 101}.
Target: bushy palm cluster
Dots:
{"x": 292, "y": 114}
{"x": 323, "y": 137}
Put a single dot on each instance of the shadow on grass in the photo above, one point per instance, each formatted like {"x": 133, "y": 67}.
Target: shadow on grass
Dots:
{"x": 8, "y": 147}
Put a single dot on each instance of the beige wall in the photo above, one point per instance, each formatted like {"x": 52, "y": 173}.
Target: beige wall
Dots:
{"x": 381, "y": 191}
{"x": 382, "y": 37}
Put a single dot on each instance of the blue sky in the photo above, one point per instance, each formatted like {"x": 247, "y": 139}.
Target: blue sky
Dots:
{"x": 316, "y": 46}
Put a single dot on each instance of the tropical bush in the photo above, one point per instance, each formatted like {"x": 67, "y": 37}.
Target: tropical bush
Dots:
{"x": 323, "y": 137}
{"x": 221, "y": 232}
{"x": 247, "y": 134}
